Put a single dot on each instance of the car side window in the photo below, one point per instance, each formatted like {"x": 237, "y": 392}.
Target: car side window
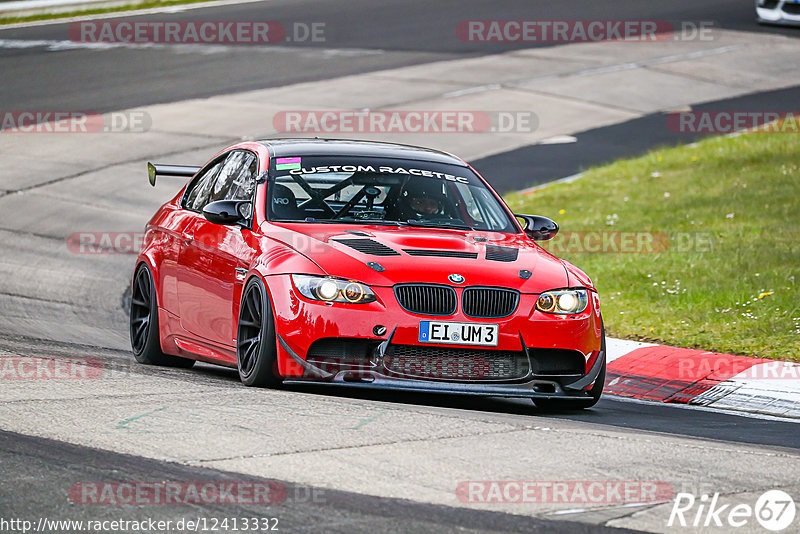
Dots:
{"x": 231, "y": 177}
{"x": 237, "y": 177}
{"x": 200, "y": 189}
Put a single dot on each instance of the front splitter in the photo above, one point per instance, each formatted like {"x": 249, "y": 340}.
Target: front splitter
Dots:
{"x": 372, "y": 379}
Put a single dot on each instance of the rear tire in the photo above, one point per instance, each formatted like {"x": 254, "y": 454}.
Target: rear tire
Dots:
{"x": 256, "y": 341}
{"x": 145, "y": 336}
{"x": 582, "y": 404}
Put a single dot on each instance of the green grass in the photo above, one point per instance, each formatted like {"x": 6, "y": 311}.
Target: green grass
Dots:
{"x": 743, "y": 194}
{"x": 96, "y": 11}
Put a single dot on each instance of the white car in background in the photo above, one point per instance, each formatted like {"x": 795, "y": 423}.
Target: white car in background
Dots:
{"x": 778, "y": 12}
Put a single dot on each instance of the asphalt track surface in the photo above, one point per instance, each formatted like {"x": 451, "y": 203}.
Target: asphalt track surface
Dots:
{"x": 37, "y": 472}
{"x": 44, "y": 470}
{"x": 370, "y": 35}
{"x": 538, "y": 164}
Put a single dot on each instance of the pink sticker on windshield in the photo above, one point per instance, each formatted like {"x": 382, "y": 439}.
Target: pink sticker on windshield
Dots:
{"x": 283, "y": 164}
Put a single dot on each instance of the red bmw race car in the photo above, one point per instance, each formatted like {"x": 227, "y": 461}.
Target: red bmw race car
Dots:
{"x": 365, "y": 264}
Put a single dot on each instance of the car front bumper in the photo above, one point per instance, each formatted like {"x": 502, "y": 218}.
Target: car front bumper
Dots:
{"x": 376, "y": 378}
{"x": 525, "y": 335}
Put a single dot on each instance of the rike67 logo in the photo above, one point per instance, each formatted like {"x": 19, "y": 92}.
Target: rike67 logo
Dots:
{"x": 774, "y": 510}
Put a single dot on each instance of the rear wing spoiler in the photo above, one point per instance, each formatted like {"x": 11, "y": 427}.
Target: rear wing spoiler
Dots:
{"x": 154, "y": 170}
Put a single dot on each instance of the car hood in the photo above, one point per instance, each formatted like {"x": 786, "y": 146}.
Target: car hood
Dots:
{"x": 429, "y": 255}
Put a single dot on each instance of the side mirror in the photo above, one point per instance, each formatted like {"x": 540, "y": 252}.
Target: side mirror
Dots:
{"x": 228, "y": 212}
{"x": 538, "y": 228}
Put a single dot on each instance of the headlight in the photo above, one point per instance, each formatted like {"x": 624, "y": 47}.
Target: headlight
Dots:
{"x": 329, "y": 289}
{"x": 564, "y": 301}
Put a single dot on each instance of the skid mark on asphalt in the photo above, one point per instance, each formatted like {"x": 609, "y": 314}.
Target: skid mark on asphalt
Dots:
{"x": 105, "y": 167}
{"x": 181, "y": 420}
{"x": 365, "y": 421}
{"x": 123, "y": 425}
{"x": 593, "y": 71}
{"x": 360, "y": 446}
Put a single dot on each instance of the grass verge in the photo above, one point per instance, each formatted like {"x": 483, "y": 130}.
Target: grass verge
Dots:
{"x": 727, "y": 279}
{"x": 96, "y": 11}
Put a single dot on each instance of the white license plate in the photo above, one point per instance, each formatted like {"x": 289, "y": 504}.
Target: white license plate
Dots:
{"x": 458, "y": 333}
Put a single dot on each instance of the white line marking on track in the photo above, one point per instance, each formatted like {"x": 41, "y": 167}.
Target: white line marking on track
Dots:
{"x": 712, "y": 408}
{"x": 472, "y": 90}
{"x": 559, "y": 140}
{"x": 584, "y": 510}
{"x": 53, "y": 45}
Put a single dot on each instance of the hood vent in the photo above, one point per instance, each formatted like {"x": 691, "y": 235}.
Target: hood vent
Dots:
{"x": 368, "y": 246}
{"x": 442, "y": 254}
{"x": 495, "y": 253}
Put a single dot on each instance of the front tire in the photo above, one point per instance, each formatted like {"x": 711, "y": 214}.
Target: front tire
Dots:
{"x": 145, "y": 336}
{"x": 256, "y": 342}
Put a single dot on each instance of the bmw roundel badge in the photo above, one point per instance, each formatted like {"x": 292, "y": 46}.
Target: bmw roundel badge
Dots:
{"x": 456, "y": 278}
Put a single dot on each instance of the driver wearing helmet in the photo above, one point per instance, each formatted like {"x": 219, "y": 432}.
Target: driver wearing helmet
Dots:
{"x": 421, "y": 199}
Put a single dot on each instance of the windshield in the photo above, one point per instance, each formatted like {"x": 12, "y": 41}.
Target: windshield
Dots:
{"x": 361, "y": 190}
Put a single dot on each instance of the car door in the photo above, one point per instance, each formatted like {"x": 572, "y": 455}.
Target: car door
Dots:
{"x": 213, "y": 257}
{"x": 176, "y": 228}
